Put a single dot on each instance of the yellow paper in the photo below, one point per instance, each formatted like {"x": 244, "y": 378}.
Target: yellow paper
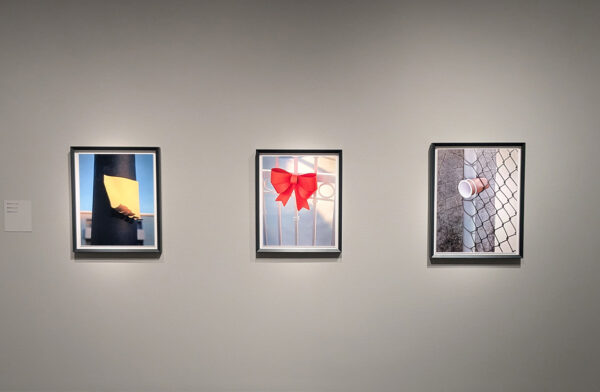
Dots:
{"x": 124, "y": 195}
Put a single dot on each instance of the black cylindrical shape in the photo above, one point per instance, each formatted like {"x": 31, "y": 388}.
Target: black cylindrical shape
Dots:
{"x": 108, "y": 226}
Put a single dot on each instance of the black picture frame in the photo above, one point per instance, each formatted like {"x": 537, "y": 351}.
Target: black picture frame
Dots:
{"x": 137, "y": 250}
{"x": 437, "y": 257}
{"x": 298, "y": 252}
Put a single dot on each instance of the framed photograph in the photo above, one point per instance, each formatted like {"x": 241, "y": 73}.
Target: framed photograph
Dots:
{"x": 476, "y": 202}
{"x": 115, "y": 193}
{"x": 298, "y": 203}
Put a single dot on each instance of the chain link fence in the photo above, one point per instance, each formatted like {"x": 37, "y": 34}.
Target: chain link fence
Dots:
{"x": 491, "y": 217}
{"x": 487, "y": 222}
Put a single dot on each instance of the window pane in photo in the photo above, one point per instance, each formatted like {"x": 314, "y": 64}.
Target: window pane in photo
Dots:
{"x": 289, "y": 226}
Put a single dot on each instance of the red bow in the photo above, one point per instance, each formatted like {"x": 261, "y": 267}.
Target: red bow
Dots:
{"x": 285, "y": 183}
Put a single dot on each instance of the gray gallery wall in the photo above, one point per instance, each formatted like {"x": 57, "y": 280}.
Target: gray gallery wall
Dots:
{"x": 209, "y": 83}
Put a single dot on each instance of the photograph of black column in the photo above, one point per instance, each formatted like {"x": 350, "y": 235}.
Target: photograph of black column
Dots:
{"x": 108, "y": 226}
{"x": 116, "y": 206}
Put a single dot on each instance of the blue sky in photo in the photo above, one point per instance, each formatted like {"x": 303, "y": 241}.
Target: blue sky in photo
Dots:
{"x": 144, "y": 173}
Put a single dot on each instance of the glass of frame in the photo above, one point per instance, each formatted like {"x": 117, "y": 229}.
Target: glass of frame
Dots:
{"x": 298, "y": 203}
{"x": 115, "y": 194}
{"x": 476, "y": 202}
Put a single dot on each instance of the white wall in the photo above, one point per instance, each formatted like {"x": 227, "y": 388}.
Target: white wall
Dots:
{"x": 210, "y": 83}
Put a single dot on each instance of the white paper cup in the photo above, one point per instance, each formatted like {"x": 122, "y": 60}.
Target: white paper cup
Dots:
{"x": 472, "y": 186}
{"x": 466, "y": 188}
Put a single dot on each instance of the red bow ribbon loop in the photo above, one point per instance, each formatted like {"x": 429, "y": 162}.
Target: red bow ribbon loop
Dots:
{"x": 285, "y": 183}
